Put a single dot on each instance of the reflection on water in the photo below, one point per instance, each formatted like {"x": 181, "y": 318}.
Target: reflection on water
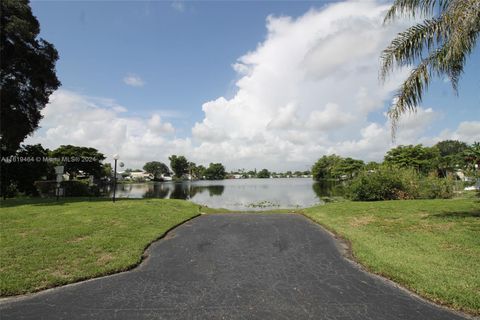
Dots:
{"x": 328, "y": 188}
{"x": 183, "y": 191}
{"x": 167, "y": 190}
{"x": 242, "y": 194}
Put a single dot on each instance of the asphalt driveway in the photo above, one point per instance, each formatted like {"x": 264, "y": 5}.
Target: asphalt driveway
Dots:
{"x": 233, "y": 266}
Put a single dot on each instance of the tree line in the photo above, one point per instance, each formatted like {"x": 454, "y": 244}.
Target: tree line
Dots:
{"x": 181, "y": 167}
{"x": 31, "y": 164}
{"x": 442, "y": 159}
{"x": 31, "y": 169}
{"x": 407, "y": 172}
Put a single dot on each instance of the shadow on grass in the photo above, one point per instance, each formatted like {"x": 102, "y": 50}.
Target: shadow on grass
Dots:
{"x": 457, "y": 215}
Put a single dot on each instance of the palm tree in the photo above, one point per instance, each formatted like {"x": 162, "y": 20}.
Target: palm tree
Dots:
{"x": 439, "y": 46}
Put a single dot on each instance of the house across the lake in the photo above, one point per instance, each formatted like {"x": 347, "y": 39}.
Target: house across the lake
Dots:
{"x": 140, "y": 176}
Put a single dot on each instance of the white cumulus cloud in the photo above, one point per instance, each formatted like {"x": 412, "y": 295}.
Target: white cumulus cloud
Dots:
{"x": 71, "y": 118}
{"x": 308, "y": 89}
{"x": 468, "y": 131}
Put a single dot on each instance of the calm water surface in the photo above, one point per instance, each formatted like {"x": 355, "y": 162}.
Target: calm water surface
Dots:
{"x": 239, "y": 194}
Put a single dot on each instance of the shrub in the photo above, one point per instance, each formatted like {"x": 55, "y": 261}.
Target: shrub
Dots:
{"x": 46, "y": 188}
{"x": 378, "y": 185}
{"x": 391, "y": 183}
{"x": 432, "y": 187}
{"x": 72, "y": 188}
{"x": 75, "y": 188}
{"x": 10, "y": 191}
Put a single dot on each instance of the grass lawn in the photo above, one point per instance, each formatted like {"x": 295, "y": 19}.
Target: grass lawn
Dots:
{"x": 44, "y": 243}
{"x": 430, "y": 246}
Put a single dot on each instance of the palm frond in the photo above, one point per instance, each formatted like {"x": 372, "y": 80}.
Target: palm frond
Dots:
{"x": 447, "y": 40}
{"x": 464, "y": 17}
{"x": 411, "y": 91}
{"x": 402, "y": 8}
{"x": 409, "y": 45}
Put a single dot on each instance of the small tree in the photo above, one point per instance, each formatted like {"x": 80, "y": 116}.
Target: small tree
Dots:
{"x": 179, "y": 165}
{"x": 156, "y": 168}
{"x": 263, "y": 174}
{"x": 215, "y": 171}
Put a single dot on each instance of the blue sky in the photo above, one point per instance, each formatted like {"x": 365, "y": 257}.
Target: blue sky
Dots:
{"x": 172, "y": 50}
{"x": 180, "y": 56}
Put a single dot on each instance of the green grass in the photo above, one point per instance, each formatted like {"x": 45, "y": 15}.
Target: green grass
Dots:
{"x": 430, "y": 246}
{"x": 44, "y": 243}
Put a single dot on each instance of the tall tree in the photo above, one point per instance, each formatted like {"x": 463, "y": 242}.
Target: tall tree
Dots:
{"x": 472, "y": 157}
{"x": 347, "y": 168}
{"x": 27, "y": 76}
{"x": 215, "y": 171}
{"x": 323, "y": 168}
{"x": 199, "y": 172}
{"x": 424, "y": 159}
{"x": 451, "y": 147}
{"x": 336, "y": 167}
{"x": 76, "y": 159}
{"x": 438, "y": 46}
{"x": 191, "y": 170}
{"x": 156, "y": 168}
{"x": 29, "y": 165}
{"x": 451, "y": 156}
{"x": 179, "y": 165}
{"x": 107, "y": 170}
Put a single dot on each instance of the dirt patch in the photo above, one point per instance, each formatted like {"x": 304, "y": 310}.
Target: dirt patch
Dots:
{"x": 59, "y": 274}
{"x": 104, "y": 259}
{"x": 444, "y": 226}
{"x": 437, "y": 227}
{"x": 361, "y": 221}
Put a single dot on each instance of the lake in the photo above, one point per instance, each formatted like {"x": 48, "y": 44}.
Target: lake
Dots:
{"x": 236, "y": 194}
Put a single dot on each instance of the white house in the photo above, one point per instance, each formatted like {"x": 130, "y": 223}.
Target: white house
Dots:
{"x": 141, "y": 176}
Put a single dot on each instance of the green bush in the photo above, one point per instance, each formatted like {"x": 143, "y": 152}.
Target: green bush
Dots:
{"x": 373, "y": 186}
{"x": 72, "y": 188}
{"x": 46, "y": 188}
{"x": 391, "y": 183}
{"x": 432, "y": 187}
{"x": 75, "y": 188}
